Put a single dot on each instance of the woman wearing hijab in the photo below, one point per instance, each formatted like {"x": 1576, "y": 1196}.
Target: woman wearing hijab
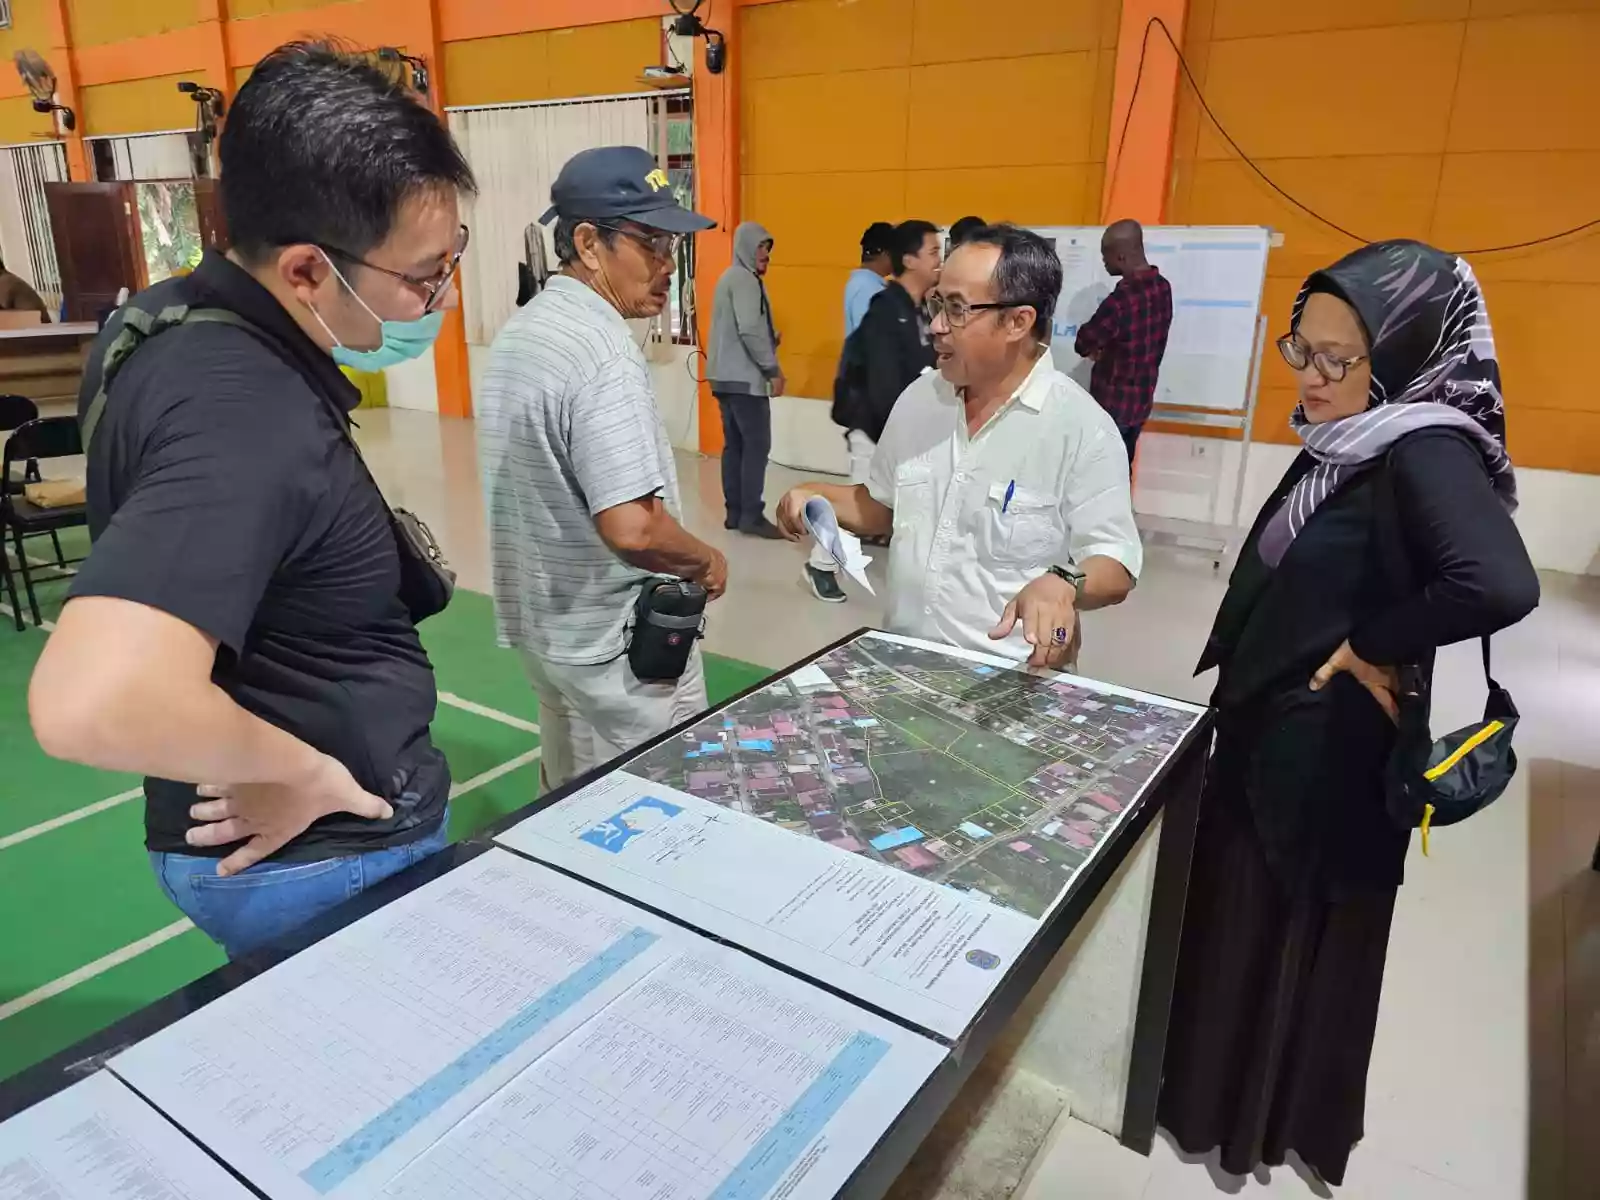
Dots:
{"x": 1297, "y": 861}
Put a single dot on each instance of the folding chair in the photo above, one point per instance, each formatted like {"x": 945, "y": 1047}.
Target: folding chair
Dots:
{"x": 36, "y": 441}
{"x": 16, "y": 411}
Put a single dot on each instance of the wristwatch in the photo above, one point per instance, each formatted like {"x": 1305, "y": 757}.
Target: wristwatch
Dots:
{"x": 1072, "y": 573}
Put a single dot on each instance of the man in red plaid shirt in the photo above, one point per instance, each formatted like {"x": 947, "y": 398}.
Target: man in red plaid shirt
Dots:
{"x": 1127, "y": 335}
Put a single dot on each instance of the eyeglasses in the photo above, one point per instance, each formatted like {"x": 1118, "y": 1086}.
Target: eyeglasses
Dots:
{"x": 662, "y": 245}
{"x": 1331, "y": 367}
{"x": 958, "y": 312}
{"x": 434, "y": 288}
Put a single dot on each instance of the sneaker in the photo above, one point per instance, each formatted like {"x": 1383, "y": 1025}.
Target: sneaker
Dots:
{"x": 762, "y": 528}
{"x": 824, "y": 585}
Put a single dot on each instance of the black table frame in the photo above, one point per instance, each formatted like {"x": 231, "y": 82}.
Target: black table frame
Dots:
{"x": 1175, "y": 790}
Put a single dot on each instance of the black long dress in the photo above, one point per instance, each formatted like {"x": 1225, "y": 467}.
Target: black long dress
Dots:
{"x": 1296, "y": 861}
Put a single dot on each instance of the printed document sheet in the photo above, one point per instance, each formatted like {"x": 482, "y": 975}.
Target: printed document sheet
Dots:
{"x": 410, "y": 1046}
{"x": 706, "y": 1081}
{"x": 98, "y": 1141}
{"x": 923, "y": 952}
{"x": 333, "y": 1070}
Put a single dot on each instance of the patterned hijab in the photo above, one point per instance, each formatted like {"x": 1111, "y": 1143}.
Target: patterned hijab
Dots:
{"x": 1433, "y": 363}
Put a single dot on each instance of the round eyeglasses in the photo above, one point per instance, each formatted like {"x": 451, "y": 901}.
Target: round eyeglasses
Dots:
{"x": 1331, "y": 367}
{"x": 663, "y": 245}
{"x": 957, "y": 312}
{"x": 434, "y": 288}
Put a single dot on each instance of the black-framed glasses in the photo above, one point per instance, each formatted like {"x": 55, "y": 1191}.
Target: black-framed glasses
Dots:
{"x": 663, "y": 245}
{"x": 1331, "y": 367}
{"x": 435, "y": 288}
{"x": 958, "y": 312}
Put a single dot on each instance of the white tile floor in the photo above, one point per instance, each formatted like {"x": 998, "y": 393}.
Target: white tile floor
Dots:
{"x": 1485, "y": 1081}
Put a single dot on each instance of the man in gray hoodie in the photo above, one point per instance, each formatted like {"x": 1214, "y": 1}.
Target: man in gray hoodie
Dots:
{"x": 742, "y": 367}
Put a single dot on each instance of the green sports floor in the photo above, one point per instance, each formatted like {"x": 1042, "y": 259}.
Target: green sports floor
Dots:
{"x": 86, "y": 936}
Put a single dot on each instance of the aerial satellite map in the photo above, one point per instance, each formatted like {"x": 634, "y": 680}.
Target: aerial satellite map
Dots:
{"x": 973, "y": 775}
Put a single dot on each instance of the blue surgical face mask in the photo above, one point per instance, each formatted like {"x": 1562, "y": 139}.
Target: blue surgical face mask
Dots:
{"x": 402, "y": 340}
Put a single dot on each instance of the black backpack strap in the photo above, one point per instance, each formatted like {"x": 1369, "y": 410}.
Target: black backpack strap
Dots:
{"x": 134, "y": 327}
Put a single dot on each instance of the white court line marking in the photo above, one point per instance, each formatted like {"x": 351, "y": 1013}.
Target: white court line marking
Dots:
{"x": 27, "y": 622}
{"x": 133, "y": 949}
{"x": 493, "y": 773}
{"x": 98, "y": 967}
{"x": 77, "y": 814}
{"x": 483, "y": 710}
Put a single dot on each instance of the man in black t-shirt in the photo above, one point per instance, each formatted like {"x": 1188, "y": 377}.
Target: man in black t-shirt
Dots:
{"x": 238, "y": 624}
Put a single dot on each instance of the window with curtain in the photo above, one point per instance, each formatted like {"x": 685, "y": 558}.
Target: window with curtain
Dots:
{"x": 26, "y": 241}
{"x": 516, "y": 153}
{"x": 143, "y": 156}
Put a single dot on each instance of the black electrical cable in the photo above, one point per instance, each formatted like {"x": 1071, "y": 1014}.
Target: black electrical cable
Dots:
{"x": 1138, "y": 77}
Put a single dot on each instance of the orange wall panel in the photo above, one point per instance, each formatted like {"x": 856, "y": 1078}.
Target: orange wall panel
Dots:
{"x": 136, "y": 106}
{"x": 602, "y": 60}
{"x": 1047, "y": 195}
{"x": 805, "y": 37}
{"x": 964, "y": 30}
{"x": 19, "y": 123}
{"x": 1390, "y": 92}
{"x": 808, "y": 307}
{"x": 1258, "y": 18}
{"x": 819, "y": 215}
{"x": 96, "y": 22}
{"x": 965, "y": 114}
{"x": 1540, "y": 331}
{"x": 1529, "y": 83}
{"x": 498, "y": 70}
{"x": 240, "y": 9}
{"x": 855, "y": 121}
{"x": 1503, "y": 198}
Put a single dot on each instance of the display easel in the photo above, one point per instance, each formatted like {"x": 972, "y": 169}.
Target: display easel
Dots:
{"x": 1221, "y": 541}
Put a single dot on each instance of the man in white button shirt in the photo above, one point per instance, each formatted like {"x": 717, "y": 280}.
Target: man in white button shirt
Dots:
{"x": 1004, "y": 483}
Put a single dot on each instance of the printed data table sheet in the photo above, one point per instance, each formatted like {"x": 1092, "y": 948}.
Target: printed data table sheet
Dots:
{"x": 369, "y": 1058}
{"x": 894, "y": 819}
{"x": 98, "y": 1141}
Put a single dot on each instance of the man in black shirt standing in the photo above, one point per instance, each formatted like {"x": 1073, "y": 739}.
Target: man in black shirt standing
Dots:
{"x": 238, "y": 624}
{"x": 883, "y": 357}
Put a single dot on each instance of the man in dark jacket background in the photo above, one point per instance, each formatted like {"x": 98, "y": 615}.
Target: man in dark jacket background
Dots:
{"x": 888, "y": 350}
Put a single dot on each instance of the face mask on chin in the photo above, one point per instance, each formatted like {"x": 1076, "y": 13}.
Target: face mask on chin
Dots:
{"x": 402, "y": 340}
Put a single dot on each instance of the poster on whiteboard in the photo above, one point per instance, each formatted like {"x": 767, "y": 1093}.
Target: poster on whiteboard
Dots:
{"x": 1217, "y": 274}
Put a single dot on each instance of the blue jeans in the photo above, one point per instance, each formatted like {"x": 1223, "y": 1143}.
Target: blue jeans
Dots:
{"x": 262, "y": 903}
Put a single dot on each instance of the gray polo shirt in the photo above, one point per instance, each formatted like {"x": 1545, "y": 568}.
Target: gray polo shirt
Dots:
{"x": 567, "y": 427}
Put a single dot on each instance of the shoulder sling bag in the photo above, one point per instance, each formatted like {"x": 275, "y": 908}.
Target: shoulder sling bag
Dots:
{"x": 1439, "y": 781}
{"x": 426, "y": 581}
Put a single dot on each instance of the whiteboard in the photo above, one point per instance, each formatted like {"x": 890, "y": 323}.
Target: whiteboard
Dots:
{"x": 1217, "y": 274}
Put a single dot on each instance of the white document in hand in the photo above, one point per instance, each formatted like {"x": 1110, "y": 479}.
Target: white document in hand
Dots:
{"x": 329, "y": 1073}
{"x": 841, "y": 544}
{"x": 98, "y": 1141}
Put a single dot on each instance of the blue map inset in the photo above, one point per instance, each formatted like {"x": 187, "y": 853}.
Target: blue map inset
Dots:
{"x": 644, "y": 814}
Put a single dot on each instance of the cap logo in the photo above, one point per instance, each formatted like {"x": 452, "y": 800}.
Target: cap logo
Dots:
{"x": 658, "y": 180}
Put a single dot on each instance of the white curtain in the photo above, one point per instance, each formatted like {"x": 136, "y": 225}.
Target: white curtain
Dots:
{"x": 516, "y": 154}
{"x": 152, "y": 156}
{"x": 26, "y": 242}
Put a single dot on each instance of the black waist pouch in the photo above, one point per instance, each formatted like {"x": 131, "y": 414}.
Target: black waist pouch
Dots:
{"x": 668, "y": 619}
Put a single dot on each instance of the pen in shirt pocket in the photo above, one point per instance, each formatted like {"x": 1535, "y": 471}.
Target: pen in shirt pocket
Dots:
{"x": 1011, "y": 490}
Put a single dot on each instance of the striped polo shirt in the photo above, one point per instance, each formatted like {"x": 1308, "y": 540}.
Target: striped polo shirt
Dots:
{"x": 567, "y": 427}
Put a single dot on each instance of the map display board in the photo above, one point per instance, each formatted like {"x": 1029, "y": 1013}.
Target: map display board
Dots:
{"x": 893, "y": 819}
{"x": 959, "y": 769}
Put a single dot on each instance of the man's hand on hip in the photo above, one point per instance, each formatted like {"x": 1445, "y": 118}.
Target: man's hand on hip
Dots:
{"x": 1047, "y": 610}
{"x": 266, "y": 816}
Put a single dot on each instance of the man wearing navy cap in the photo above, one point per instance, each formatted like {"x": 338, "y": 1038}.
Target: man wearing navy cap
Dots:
{"x": 581, "y": 489}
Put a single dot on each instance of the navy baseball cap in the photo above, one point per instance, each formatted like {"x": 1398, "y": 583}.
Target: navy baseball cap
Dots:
{"x": 620, "y": 182}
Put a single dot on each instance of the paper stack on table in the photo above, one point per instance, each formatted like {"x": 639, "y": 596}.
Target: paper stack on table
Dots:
{"x": 841, "y": 544}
